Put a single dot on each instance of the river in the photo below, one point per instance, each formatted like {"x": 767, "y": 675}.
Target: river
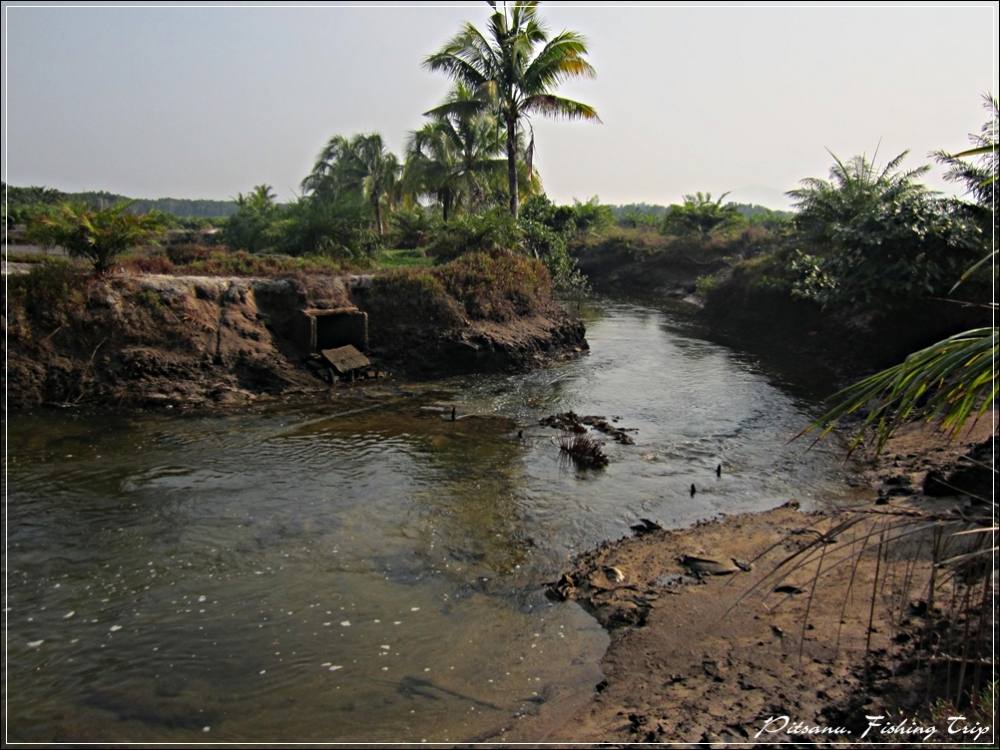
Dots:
{"x": 370, "y": 570}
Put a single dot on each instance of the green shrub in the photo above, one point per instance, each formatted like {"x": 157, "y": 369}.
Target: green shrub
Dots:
{"x": 705, "y": 284}
{"x": 488, "y": 232}
{"x": 413, "y": 228}
{"x": 100, "y": 236}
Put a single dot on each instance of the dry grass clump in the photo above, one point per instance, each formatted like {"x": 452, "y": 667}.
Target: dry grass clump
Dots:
{"x": 584, "y": 450}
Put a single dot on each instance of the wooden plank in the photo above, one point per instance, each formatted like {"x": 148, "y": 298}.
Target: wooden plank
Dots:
{"x": 345, "y": 359}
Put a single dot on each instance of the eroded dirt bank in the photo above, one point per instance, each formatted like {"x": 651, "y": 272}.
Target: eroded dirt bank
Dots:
{"x": 192, "y": 341}
{"x": 708, "y": 643}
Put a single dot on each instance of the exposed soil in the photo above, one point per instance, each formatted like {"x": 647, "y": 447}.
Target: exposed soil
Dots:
{"x": 707, "y": 644}
{"x": 420, "y": 350}
{"x": 191, "y": 341}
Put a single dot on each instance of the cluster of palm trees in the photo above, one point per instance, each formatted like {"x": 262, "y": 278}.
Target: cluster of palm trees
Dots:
{"x": 476, "y": 148}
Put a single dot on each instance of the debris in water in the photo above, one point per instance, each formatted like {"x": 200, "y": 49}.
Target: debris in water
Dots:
{"x": 335, "y": 667}
{"x": 202, "y": 598}
{"x": 570, "y": 422}
{"x": 584, "y": 450}
{"x": 414, "y": 609}
{"x": 115, "y": 628}
{"x": 345, "y": 623}
{"x": 35, "y": 644}
{"x": 69, "y": 614}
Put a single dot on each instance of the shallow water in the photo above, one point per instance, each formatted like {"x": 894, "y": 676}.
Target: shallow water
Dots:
{"x": 299, "y": 574}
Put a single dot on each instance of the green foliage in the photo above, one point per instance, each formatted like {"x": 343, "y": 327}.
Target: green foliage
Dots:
{"x": 338, "y": 227}
{"x": 700, "y": 216}
{"x": 97, "y": 235}
{"x": 25, "y": 203}
{"x": 856, "y": 188}
{"x": 357, "y": 167}
{"x": 454, "y": 157}
{"x": 253, "y": 226}
{"x": 946, "y": 383}
{"x": 635, "y": 215}
{"x": 879, "y": 240}
{"x": 766, "y": 218}
{"x": 403, "y": 258}
{"x": 491, "y": 231}
{"x": 150, "y": 299}
{"x": 952, "y": 381}
{"x": 412, "y": 227}
{"x": 706, "y": 284}
{"x": 547, "y": 229}
{"x": 977, "y": 167}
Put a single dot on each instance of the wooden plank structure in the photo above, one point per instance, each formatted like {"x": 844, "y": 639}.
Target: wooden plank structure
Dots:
{"x": 345, "y": 360}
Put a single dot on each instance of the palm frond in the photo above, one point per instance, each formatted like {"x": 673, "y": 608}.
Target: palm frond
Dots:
{"x": 557, "y": 106}
{"x": 948, "y": 382}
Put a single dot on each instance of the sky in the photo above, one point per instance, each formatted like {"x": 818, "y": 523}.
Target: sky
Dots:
{"x": 206, "y": 102}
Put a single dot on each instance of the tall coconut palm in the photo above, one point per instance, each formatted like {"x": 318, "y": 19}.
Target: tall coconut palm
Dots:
{"x": 511, "y": 79}
{"x": 363, "y": 164}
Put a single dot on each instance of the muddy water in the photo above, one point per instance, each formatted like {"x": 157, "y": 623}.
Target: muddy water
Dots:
{"x": 367, "y": 570}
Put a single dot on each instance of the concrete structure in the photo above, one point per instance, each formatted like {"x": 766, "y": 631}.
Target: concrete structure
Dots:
{"x": 318, "y": 329}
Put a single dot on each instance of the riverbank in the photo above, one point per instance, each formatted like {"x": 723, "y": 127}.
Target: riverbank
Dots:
{"x": 740, "y": 287}
{"x": 217, "y": 341}
{"x": 708, "y": 642}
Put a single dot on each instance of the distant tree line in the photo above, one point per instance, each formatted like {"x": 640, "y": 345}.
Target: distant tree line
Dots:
{"x": 24, "y": 202}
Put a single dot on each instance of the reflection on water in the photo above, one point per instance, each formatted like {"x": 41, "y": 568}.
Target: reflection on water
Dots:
{"x": 372, "y": 575}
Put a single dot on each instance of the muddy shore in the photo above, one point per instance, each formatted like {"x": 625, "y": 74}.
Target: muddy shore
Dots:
{"x": 217, "y": 342}
{"x": 708, "y": 642}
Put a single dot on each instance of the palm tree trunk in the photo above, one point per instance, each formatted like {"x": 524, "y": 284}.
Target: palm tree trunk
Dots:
{"x": 445, "y": 205}
{"x": 377, "y": 204}
{"x": 512, "y": 164}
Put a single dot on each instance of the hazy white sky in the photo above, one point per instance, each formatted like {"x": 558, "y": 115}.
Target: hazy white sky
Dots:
{"x": 207, "y": 102}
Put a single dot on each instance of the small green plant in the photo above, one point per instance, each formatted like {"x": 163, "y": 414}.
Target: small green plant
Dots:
{"x": 99, "y": 235}
{"x": 705, "y": 284}
{"x": 487, "y": 232}
{"x": 150, "y": 299}
{"x": 700, "y": 216}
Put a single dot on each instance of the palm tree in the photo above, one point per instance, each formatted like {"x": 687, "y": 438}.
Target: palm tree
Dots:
{"x": 361, "y": 164}
{"x": 855, "y": 186}
{"x": 509, "y": 79}
{"x": 454, "y": 157}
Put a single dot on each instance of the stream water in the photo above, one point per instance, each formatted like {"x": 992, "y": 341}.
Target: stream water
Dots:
{"x": 369, "y": 571}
